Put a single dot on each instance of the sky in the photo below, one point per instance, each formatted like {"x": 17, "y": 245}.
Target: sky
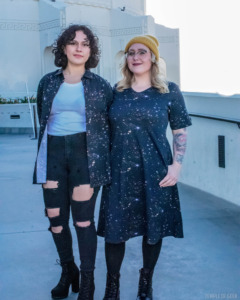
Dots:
{"x": 209, "y": 42}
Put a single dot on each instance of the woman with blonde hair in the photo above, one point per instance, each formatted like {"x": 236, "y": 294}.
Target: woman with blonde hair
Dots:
{"x": 142, "y": 199}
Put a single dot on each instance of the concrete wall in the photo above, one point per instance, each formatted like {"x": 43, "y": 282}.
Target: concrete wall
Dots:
{"x": 20, "y": 47}
{"x": 200, "y": 168}
{"x": 135, "y": 7}
{"x": 52, "y": 21}
{"x": 17, "y": 118}
{"x": 169, "y": 49}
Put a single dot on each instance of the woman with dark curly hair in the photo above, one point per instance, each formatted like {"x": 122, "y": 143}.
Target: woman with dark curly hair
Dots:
{"x": 73, "y": 153}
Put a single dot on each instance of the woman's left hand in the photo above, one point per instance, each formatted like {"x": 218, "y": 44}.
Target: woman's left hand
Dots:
{"x": 172, "y": 175}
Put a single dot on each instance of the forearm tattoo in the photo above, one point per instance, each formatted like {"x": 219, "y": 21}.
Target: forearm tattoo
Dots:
{"x": 179, "y": 146}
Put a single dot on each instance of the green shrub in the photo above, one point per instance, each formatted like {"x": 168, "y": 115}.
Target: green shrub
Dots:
{"x": 17, "y": 100}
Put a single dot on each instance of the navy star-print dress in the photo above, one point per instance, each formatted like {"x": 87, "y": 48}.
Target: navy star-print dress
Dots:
{"x": 134, "y": 204}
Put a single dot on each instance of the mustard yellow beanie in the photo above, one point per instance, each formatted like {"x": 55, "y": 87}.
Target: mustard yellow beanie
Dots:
{"x": 148, "y": 40}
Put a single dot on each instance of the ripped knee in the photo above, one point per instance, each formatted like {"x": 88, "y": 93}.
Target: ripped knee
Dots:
{"x": 50, "y": 184}
{"x": 56, "y": 229}
{"x": 83, "y": 224}
{"x": 82, "y": 192}
{"x": 52, "y": 212}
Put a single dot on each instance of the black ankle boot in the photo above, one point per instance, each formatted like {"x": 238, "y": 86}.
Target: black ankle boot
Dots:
{"x": 112, "y": 287}
{"x": 69, "y": 276}
{"x": 145, "y": 285}
{"x": 87, "y": 286}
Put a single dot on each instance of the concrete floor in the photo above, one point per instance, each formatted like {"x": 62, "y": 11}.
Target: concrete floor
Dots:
{"x": 203, "y": 265}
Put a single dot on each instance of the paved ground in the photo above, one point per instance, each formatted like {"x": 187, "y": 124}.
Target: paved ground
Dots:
{"x": 203, "y": 265}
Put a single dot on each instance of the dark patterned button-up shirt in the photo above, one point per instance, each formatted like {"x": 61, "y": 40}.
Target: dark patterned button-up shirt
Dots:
{"x": 98, "y": 98}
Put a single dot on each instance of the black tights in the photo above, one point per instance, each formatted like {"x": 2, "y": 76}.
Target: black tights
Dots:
{"x": 115, "y": 253}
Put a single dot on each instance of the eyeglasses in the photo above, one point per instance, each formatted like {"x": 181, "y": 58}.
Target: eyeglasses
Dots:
{"x": 140, "y": 53}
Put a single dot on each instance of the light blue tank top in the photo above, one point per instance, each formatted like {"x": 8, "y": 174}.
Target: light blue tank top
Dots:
{"x": 68, "y": 110}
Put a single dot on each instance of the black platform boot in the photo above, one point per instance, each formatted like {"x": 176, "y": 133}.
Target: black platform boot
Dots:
{"x": 145, "y": 285}
{"x": 69, "y": 276}
{"x": 87, "y": 286}
{"x": 112, "y": 287}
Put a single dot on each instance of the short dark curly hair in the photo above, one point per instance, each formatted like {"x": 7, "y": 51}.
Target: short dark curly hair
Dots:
{"x": 67, "y": 36}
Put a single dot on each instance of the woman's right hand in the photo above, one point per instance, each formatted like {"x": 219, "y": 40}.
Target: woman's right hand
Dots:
{"x": 172, "y": 175}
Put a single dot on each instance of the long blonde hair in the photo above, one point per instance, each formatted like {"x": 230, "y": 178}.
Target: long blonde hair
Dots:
{"x": 158, "y": 75}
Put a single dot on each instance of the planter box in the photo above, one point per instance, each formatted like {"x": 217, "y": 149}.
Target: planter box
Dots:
{"x": 16, "y": 118}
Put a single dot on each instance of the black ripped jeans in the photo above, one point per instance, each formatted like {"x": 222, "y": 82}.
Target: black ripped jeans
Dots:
{"x": 67, "y": 169}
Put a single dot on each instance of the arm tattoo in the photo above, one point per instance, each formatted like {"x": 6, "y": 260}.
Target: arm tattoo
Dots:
{"x": 179, "y": 146}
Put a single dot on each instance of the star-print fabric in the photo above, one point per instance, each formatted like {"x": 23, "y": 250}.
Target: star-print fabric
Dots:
{"x": 134, "y": 204}
{"x": 98, "y": 98}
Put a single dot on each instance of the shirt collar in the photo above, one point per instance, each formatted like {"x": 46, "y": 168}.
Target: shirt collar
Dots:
{"x": 87, "y": 74}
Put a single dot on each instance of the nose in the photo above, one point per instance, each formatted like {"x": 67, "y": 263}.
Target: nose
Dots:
{"x": 135, "y": 56}
{"x": 79, "y": 47}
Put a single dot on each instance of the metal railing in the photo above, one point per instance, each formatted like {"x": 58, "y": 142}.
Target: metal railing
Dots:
{"x": 229, "y": 120}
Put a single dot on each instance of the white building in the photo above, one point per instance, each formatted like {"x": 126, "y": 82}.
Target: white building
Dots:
{"x": 28, "y": 29}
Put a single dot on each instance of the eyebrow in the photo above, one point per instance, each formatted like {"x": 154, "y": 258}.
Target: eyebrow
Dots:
{"x": 138, "y": 49}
